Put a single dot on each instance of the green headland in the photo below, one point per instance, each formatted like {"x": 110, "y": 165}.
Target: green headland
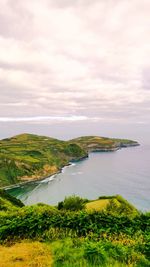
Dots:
{"x": 28, "y": 157}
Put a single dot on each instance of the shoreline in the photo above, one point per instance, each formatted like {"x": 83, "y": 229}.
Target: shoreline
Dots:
{"x": 37, "y": 180}
{"x": 98, "y": 150}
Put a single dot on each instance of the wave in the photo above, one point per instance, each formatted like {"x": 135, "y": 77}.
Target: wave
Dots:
{"x": 48, "y": 179}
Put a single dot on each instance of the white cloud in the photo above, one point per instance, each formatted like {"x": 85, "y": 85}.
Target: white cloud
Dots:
{"x": 82, "y": 58}
{"x": 42, "y": 118}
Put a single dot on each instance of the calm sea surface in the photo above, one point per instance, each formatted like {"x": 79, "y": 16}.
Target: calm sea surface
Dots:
{"x": 125, "y": 172}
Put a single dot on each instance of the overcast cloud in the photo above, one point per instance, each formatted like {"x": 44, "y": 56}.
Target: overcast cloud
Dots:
{"x": 74, "y": 60}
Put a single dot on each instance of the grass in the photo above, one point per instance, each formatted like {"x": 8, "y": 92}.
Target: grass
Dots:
{"x": 67, "y": 253}
{"x": 86, "y": 253}
{"x": 26, "y": 254}
{"x": 72, "y": 252}
{"x": 97, "y": 205}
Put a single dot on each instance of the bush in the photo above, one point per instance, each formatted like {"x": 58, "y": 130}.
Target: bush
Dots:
{"x": 73, "y": 203}
{"x": 106, "y": 197}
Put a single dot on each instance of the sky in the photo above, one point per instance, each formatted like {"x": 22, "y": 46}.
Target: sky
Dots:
{"x": 74, "y": 67}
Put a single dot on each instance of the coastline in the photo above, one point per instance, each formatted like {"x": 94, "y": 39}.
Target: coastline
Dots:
{"x": 73, "y": 161}
{"x": 38, "y": 179}
{"x": 96, "y": 177}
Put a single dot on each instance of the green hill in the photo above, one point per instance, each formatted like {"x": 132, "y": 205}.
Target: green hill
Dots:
{"x": 28, "y": 157}
{"x": 112, "y": 204}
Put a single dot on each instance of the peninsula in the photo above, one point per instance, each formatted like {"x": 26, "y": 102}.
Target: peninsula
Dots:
{"x": 28, "y": 157}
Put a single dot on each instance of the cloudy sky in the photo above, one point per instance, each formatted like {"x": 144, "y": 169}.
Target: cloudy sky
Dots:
{"x": 67, "y": 61}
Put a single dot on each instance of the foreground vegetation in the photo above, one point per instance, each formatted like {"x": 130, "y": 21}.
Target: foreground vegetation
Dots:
{"x": 27, "y": 157}
{"x": 72, "y": 234}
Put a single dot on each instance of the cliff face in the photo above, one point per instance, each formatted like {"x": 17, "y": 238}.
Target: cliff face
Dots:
{"x": 29, "y": 157}
{"x": 130, "y": 144}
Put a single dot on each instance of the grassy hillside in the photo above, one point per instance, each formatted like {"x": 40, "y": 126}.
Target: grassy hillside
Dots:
{"x": 27, "y": 157}
{"x": 41, "y": 235}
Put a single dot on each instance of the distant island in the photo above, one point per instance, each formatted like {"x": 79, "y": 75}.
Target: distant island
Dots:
{"x": 28, "y": 157}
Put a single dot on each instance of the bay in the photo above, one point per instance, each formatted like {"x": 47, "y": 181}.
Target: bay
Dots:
{"x": 125, "y": 172}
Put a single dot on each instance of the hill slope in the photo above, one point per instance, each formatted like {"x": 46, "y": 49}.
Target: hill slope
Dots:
{"x": 27, "y": 157}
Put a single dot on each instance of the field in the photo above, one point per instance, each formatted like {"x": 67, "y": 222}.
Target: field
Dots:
{"x": 97, "y": 204}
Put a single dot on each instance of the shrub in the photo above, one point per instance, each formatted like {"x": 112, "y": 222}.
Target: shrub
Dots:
{"x": 73, "y": 203}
